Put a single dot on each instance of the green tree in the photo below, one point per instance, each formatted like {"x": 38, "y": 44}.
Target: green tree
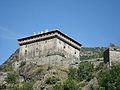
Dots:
{"x": 26, "y": 86}
{"x": 11, "y": 78}
{"x": 109, "y": 79}
{"x": 73, "y": 73}
{"x": 58, "y": 86}
{"x": 85, "y": 71}
{"x": 68, "y": 84}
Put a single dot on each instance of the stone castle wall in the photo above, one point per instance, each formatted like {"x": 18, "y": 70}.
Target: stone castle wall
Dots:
{"x": 114, "y": 57}
{"x": 51, "y": 51}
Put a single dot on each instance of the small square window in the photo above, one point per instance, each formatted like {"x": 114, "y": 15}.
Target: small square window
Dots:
{"x": 37, "y": 49}
{"x": 25, "y": 51}
{"x": 75, "y": 52}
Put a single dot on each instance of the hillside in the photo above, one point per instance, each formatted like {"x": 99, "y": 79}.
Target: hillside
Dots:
{"x": 88, "y": 53}
{"x": 44, "y": 77}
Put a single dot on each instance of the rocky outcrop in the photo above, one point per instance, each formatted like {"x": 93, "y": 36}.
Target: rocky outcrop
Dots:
{"x": 87, "y": 53}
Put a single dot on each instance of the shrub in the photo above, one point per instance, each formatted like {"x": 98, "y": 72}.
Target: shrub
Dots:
{"x": 109, "y": 79}
{"x": 68, "y": 84}
{"x": 11, "y": 78}
{"x": 58, "y": 86}
{"x": 73, "y": 73}
{"x": 85, "y": 71}
{"x": 2, "y": 87}
{"x": 51, "y": 80}
{"x": 7, "y": 68}
{"x": 26, "y": 86}
{"x": 101, "y": 66}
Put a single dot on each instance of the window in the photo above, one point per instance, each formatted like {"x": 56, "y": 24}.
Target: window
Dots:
{"x": 46, "y": 41}
{"x": 37, "y": 49}
{"x": 25, "y": 51}
{"x": 75, "y": 52}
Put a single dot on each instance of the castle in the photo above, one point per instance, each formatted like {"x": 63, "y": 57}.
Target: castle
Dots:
{"x": 51, "y": 48}
{"x": 112, "y": 55}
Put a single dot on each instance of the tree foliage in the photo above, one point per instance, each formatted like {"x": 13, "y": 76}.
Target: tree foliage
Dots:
{"x": 84, "y": 72}
{"x": 109, "y": 79}
{"x": 68, "y": 84}
{"x": 2, "y": 87}
{"x": 26, "y": 86}
{"x": 11, "y": 78}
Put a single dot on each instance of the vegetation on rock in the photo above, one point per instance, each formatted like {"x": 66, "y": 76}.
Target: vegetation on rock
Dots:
{"x": 84, "y": 72}
{"x": 51, "y": 80}
{"x": 11, "y": 78}
{"x": 86, "y": 76}
{"x": 91, "y": 53}
{"x": 109, "y": 78}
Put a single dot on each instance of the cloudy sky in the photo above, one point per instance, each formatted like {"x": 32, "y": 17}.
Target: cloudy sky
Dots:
{"x": 92, "y": 23}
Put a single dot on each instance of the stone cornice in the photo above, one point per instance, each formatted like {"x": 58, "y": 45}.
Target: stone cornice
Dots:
{"x": 49, "y": 35}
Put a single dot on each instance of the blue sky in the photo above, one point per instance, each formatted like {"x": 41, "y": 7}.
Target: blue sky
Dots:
{"x": 92, "y": 23}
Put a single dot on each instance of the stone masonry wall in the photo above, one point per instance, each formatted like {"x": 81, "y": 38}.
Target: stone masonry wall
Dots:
{"x": 71, "y": 51}
{"x": 51, "y": 51}
{"x": 114, "y": 56}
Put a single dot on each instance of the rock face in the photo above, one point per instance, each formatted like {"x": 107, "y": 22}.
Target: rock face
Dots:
{"x": 10, "y": 63}
{"x": 3, "y": 75}
{"x": 88, "y": 53}
{"x": 42, "y": 76}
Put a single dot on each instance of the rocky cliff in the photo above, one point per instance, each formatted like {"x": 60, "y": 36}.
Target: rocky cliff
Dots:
{"x": 38, "y": 77}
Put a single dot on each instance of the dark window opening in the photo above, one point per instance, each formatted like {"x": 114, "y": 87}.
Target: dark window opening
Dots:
{"x": 37, "y": 49}
{"x": 25, "y": 51}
